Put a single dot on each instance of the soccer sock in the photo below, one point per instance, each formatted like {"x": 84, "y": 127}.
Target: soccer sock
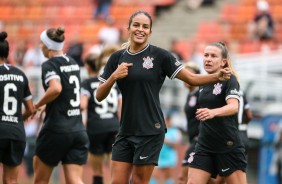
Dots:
{"x": 153, "y": 181}
{"x": 97, "y": 180}
{"x": 169, "y": 181}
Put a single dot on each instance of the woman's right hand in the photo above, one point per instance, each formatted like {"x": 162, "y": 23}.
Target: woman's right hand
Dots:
{"x": 122, "y": 71}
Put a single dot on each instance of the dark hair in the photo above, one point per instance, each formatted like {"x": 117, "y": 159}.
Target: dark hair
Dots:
{"x": 57, "y": 34}
{"x": 4, "y": 45}
{"x": 91, "y": 61}
{"x": 141, "y": 12}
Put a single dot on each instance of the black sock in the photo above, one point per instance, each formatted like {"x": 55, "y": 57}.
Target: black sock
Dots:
{"x": 97, "y": 180}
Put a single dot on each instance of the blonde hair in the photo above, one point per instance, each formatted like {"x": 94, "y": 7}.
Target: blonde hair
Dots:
{"x": 105, "y": 54}
{"x": 192, "y": 66}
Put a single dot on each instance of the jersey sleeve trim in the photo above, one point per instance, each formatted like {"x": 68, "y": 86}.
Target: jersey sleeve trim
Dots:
{"x": 101, "y": 79}
{"x": 28, "y": 98}
{"x": 85, "y": 92}
{"x": 232, "y": 96}
{"x": 176, "y": 72}
{"x": 50, "y": 78}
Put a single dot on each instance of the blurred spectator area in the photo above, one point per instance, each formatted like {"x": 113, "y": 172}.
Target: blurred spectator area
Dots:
{"x": 231, "y": 26}
{"x": 25, "y": 20}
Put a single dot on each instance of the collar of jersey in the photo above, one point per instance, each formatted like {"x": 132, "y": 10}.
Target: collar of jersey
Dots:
{"x": 127, "y": 50}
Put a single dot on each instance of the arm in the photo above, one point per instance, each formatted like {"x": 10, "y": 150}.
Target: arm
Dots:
{"x": 105, "y": 88}
{"x": 28, "y": 109}
{"x": 83, "y": 102}
{"x": 51, "y": 94}
{"x": 198, "y": 79}
{"x": 248, "y": 115}
{"x": 230, "y": 109}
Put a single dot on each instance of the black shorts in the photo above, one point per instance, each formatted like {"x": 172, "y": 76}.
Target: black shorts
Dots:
{"x": 190, "y": 149}
{"x": 101, "y": 143}
{"x": 245, "y": 140}
{"x": 138, "y": 149}
{"x": 70, "y": 148}
{"x": 11, "y": 152}
{"x": 222, "y": 164}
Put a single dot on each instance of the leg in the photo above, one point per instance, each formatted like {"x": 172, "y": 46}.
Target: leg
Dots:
{"x": 236, "y": 177}
{"x": 182, "y": 179}
{"x": 217, "y": 180}
{"x": 120, "y": 172}
{"x": 198, "y": 176}
{"x": 96, "y": 162}
{"x": 141, "y": 173}
{"x": 73, "y": 173}
{"x": 42, "y": 171}
{"x": 10, "y": 174}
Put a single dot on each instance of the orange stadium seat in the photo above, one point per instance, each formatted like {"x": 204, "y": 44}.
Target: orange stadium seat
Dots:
{"x": 249, "y": 47}
{"x": 5, "y": 12}
{"x": 185, "y": 48}
{"x": 34, "y": 13}
{"x": 229, "y": 13}
{"x": 211, "y": 31}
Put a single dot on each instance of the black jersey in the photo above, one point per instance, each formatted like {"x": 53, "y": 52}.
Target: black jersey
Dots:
{"x": 101, "y": 116}
{"x": 14, "y": 90}
{"x": 190, "y": 109}
{"x": 63, "y": 114}
{"x": 244, "y": 105}
{"x": 141, "y": 110}
{"x": 219, "y": 134}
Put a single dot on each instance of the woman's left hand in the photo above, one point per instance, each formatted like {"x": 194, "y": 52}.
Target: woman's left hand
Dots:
{"x": 224, "y": 74}
{"x": 204, "y": 114}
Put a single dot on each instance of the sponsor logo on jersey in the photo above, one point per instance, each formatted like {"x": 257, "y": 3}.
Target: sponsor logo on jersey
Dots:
{"x": 157, "y": 125}
{"x": 50, "y": 73}
{"x": 235, "y": 92}
{"x": 229, "y": 143}
{"x": 148, "y": 62}
{"x": 217, "y": 89}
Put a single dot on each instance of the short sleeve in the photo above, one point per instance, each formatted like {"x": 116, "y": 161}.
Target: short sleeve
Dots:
{"x": 110, "y": 67}
{"x": 232, "y": 88}
{"x": 85, "y": 89}
{"x": 27, "y": 93}
{"x": 171, "y": 65}
{"x": 49, "y": 72}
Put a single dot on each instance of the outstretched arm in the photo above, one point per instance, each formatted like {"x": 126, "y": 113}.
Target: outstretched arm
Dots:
{"x": 200, "y": 79}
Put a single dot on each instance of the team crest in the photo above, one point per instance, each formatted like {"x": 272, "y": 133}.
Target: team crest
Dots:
{"x": 148, "y": 62}
{"x": 217, "y": 89}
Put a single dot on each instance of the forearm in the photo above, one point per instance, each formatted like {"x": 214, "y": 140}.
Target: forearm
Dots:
{"x": 227, "y": 110}
{"x": 196, "y": 79}
{"x": 104, "y": 89}
{"x": 49, "y": 96}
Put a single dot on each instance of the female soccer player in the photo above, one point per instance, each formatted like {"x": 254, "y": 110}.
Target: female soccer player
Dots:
{"x": 219, "y": 150}
{"x": 102, "y": 117}
{"x": 140, "y": 70}
{"x": 63, "y": 137}
{"x": 14, "y": 91}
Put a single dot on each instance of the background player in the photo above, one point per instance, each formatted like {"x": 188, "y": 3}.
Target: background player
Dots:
{"x": 102, "y": 117}
{"x": 63, "y": 137}
{"x": 14, "y": 91}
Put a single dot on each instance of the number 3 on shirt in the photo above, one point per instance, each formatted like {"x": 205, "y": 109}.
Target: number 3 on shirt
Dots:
{"x": 74, "y": 80}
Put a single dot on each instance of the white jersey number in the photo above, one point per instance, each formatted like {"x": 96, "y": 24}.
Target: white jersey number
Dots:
{"x": 10, "y": 102}
{"x": 74, "y": 80}
{"x": 109, "y": 105}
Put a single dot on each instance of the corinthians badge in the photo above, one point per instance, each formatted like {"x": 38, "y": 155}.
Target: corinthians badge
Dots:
{"x": 148, "y": 62}
{"x": 217, "y": 89}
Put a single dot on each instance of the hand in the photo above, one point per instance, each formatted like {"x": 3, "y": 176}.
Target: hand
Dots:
{"x": 38, "y": 109}
{"x": 224, "y": 74}
{"x": 122, "y": 70}
{"x": 204, "y": 114}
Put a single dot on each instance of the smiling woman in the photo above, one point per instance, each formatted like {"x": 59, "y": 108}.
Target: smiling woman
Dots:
{"x": 139, "y": 70}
